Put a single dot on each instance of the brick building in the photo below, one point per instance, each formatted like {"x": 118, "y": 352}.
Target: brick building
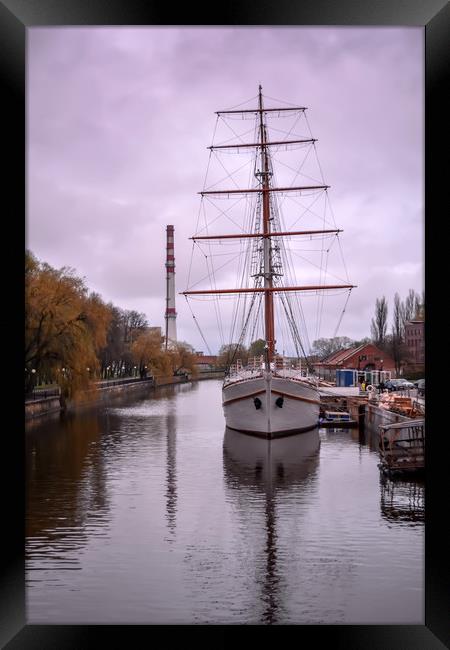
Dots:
{"x": 365, "y": 357}
{"x": 415, "y": 343}
{"x": 205, "y": 361}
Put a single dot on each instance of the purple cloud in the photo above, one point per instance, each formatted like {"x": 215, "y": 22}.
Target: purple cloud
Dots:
{"x": 118, "y": 124}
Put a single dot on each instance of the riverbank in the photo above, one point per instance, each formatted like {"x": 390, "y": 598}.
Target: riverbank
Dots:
{"x": 159, "y": 486}
{"x": 106, "y": 390}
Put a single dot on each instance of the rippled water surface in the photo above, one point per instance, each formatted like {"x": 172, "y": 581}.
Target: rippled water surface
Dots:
{"x": 149, "y": 511}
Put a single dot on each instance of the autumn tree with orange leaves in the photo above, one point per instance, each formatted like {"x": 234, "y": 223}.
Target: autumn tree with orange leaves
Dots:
{"x": 149, "y": 353}
{"x": 182, "y": 358}
{"x": 65, "y": 327}
{"x": 73, "y": 338}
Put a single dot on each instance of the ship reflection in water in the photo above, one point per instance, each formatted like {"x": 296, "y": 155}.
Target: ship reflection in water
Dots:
{"x": 147, "y": 512}
{"x": 258, "y": 471}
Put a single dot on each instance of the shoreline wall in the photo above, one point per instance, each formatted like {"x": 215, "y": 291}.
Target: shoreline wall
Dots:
{"x": 96, "y": 397}
{"x": 42, "y": 406}
{"x": 376, "y": 416}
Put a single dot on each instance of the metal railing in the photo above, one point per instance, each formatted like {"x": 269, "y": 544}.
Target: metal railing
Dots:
{"x": 402, "y": 445}
{"x": 42, "y": 393}
{"x": 45, "y": 393}
{"x": 107, "y": 383}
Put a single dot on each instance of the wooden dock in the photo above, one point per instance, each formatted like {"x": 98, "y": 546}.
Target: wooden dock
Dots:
{"x": 402, "y": 447}
{"x": 353, "y": 404}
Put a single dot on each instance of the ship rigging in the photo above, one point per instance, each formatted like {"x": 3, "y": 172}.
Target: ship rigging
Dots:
{"x": 266, "y": 272}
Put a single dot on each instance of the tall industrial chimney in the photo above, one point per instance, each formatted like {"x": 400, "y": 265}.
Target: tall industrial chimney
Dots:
{"x": 171, "y": 314}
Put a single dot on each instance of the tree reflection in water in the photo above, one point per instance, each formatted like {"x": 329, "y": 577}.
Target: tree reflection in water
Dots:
{"x": 65, "y": 487}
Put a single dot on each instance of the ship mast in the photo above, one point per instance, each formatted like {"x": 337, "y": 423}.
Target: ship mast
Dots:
{"x": 264, "y": 189}
{"x": 268, "y": 294}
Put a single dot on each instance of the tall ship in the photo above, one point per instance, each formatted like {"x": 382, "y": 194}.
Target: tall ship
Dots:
{"x": 270, "y": 389}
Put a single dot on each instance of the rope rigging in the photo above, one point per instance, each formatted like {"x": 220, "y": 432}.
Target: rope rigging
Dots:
{"x": 198, "y": 326}
{"x": 245, "y": 255}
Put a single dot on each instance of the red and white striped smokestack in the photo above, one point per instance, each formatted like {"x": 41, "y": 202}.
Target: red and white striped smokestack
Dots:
{"x": 171, "y": 314}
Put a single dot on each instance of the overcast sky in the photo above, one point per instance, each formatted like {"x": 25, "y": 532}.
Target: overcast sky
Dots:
{"x": 118, "y": 124}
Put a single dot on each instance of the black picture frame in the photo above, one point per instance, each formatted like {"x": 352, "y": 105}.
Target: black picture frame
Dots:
{"x": 15, "y": 17}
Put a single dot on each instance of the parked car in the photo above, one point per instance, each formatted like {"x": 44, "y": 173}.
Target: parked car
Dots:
{"x": 421, "y": 388}
{"x": 416, "y": 382}
{"x": 398, "y": 384}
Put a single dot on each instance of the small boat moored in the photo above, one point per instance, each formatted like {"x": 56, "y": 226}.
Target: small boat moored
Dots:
{"x": 335, "y": 418}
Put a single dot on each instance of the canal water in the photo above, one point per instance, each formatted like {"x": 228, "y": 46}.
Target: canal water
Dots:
{"x": 149, "y": 511}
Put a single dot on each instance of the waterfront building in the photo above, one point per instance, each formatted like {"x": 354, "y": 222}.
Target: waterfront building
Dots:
{"x": 363, "y": 358}
{"x": 204, "y": 362}
{"x": 415, "y": 343}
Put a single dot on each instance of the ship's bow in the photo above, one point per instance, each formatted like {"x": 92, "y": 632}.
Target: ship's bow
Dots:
{"x": 269, "y": 406}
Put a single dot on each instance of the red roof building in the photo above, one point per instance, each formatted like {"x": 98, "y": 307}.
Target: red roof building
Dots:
{"x": 205, "y": 361}
{"x": 364, "y": 358}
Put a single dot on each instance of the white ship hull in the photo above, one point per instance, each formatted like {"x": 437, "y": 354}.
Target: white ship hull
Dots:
{"x": 270, "y": 406}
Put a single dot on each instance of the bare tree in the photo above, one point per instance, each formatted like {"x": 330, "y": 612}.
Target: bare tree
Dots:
{"x": 409, "y": 307}
{"x": 419, "y": 306}
{"x": 228, "y": 354}
{"x": 397, "y": 333}
{"x": 379, "y": 322}
{"x": 324, "y": 347}
{"x": 134, "y": 324}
